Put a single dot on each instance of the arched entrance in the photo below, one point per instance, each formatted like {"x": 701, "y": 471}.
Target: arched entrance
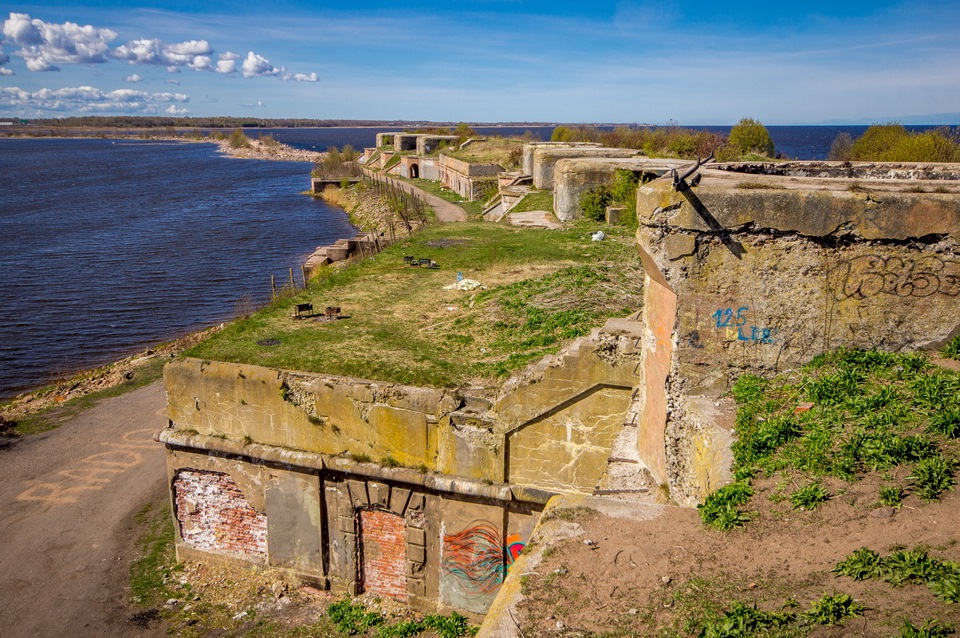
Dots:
{"x": 414, "y": 171}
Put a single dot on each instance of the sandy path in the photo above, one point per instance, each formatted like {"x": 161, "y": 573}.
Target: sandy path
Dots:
{"x": 67, "y": 503}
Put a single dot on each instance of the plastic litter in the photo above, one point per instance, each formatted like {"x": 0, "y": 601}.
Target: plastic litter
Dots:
{"x": 598, "y": 236}
{"x": 464, "y": 284}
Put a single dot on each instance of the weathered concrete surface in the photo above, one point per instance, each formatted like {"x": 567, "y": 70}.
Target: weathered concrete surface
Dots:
{"x": 552, "y": 529}
{"x": 572, "y": 178}
{"x": 545, "y": 158}
{"x": 68, "y": 501}
{"x": 530, "y": 147}
{"x": 769, "y": 271}
{"x": 285, "y": 466}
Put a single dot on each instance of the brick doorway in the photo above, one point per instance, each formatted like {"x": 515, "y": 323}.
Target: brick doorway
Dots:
{"x": 383, "y": 550}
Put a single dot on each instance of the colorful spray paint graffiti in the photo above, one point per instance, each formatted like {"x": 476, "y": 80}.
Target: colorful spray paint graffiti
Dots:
{"x": 477, "y": 559}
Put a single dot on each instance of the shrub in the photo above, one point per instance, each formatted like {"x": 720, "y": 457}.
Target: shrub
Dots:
{"x": 929, "y": 629}
{"x": 238, "y": 139}
{"x": 750, "y": 136}
{"x": 892, "y": 142}
{"x": 742, "y": 620}
{"x": 842, "y": 148}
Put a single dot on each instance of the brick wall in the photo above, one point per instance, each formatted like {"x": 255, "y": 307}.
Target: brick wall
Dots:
{"x": 214, "y": 515}
{"x": 383, "y": 543}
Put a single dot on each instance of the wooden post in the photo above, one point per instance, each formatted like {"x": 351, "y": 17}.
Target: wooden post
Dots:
{"x": 273, "y": 287}
{"x": 292, "y": 284}
{"x": 303, "y": 273}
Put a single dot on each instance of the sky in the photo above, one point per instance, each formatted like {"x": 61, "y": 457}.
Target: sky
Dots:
{"x": 633, "y": 61}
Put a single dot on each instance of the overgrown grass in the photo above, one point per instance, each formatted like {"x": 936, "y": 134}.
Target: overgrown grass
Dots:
{"x": 542, "y": 290}
{"x": 150, "y": 571}
{"x": 55, "y": 416}
{"x": 535, "y": 200}
{"x": 868, "y": 411}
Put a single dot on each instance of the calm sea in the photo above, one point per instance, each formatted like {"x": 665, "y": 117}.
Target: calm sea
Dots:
{"x": 108, "y": 247}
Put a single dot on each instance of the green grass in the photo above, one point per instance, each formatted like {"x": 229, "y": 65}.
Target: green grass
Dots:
{"x": 871, "y": 412}
{"x": 151, "y": 570}
{"x": 904, "y": 566}
{"x": 55, "y": 416}
{"x": 536, "y": 200}
{"x": 952, "y": 349}
{"x": 543, "y": 290}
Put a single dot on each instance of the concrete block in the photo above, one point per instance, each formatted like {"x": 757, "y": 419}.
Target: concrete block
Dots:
{"x": 379, "y": 494}
{"x": 416, "y": 536}
{"x": 398, "y": 500}
{"x": 358, "y": 493}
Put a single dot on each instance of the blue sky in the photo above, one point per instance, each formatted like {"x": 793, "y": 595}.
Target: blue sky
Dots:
{"x": 487, "y": 60}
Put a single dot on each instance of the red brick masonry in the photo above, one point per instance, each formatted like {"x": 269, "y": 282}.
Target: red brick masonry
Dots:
{"x": 214, "y": 515}
{"x": 384, "y": 553}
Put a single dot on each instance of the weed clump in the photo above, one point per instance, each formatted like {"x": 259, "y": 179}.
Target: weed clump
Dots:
{"x": 904, "y": 566}
{"x": 862, "y": 411}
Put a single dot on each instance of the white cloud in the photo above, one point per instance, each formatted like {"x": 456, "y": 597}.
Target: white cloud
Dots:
{"x": 173, "y": 110}
{"x": 133, "y": 79}
{"x": 228, "y": 62}
{"x": 44, "y": 45}
{"x": 257, "y": 65}
{"x": 192, "y": 53}
{"x": 5, "y": 71}
{"x": 299, "y": 77}
{"x": 172, "y": 81}
{"x": 173, "y": 69}
{"x": 88, "y": 99}
{"x": 257, "y": 104}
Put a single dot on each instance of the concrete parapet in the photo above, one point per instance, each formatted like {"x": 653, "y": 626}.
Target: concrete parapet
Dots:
{"x": 574, "y": 177}
{"x": 427, "y": 144}
{"x": 545, "y": 158}
{"x": 530, "y": 147}
{"x": 759, "y": 267}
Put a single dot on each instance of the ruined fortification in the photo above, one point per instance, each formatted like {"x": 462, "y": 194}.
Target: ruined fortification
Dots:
{"x": 426, "y": 495}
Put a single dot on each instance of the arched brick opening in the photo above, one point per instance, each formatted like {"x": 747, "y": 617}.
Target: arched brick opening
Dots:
{"x": 414, "y": 171}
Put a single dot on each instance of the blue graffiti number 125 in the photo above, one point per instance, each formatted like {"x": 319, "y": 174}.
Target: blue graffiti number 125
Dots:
{"x": 726, "y": 317}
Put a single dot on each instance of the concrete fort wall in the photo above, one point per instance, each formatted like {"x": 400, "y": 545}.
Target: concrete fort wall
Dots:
{"x": 545, "y": 158}
{"x": 760, "y": 267}
{"x": 351, "y": 483}
{"x": 573, "y": 178}
{"x": 464, "y": 178}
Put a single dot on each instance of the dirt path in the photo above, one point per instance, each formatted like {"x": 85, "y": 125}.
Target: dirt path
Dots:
{"x": 446, "y": 211}
{"x": 67, "y": 532}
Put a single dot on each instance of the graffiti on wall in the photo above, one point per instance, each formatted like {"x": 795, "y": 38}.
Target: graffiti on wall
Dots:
{"x": 870, "y": 275}
{"x": 738, "y": 319}
{"x": 477, "y": 558}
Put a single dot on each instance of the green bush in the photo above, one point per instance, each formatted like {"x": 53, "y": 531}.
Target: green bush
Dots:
{"x": 892, "y": 142}
{"x": 750, "y": 136}
{"x": 352, "y": 619}
{"x": 932, "y": 476}
{"x": 929, "y": 629}
{"x": 238, "y": 139}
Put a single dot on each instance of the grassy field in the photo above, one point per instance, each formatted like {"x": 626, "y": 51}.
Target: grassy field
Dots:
{"x": 541, "y": 290}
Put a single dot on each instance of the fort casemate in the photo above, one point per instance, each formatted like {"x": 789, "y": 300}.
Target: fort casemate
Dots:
{"x": 746, "y": 267}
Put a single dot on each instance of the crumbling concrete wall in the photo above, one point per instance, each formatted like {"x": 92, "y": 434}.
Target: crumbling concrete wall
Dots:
{"x": 572, "y": 178}
{"x": 324, "y": 475}
{"x": 467, "y": 179}
{"x": 427, "y": 144}
{"x": 545, "y": 158}
{"x": 530, "y": 147}
{"x": 752, "y": 271}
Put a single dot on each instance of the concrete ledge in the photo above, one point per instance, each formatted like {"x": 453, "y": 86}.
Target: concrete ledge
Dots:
{"x": 314, "y": 461}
